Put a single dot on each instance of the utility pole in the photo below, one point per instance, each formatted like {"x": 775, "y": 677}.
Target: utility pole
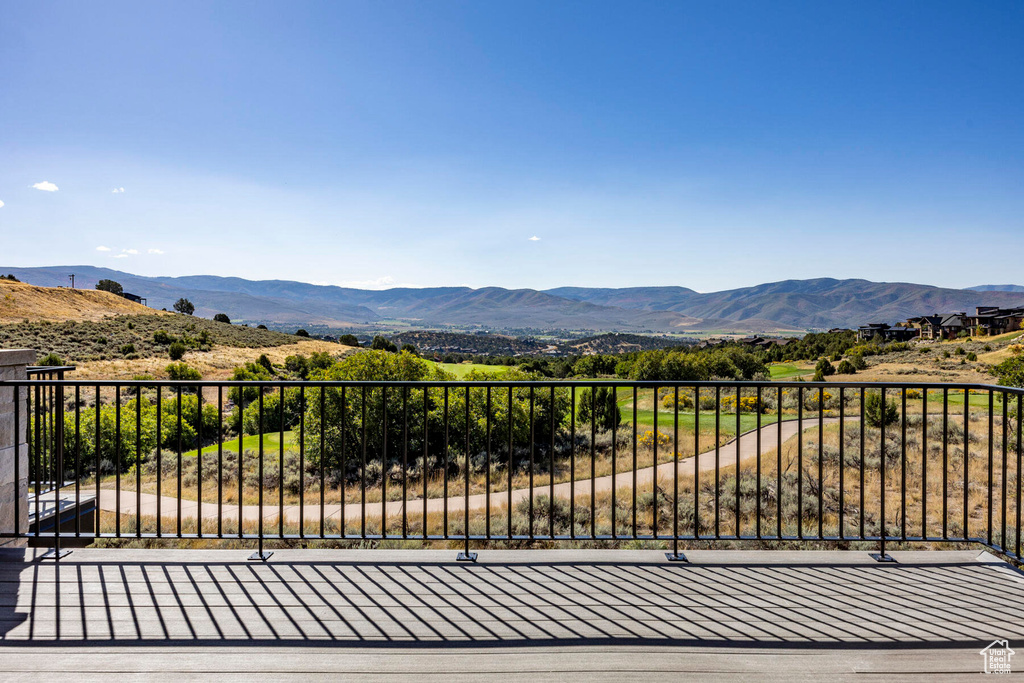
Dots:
{"x": 72, "y": 278}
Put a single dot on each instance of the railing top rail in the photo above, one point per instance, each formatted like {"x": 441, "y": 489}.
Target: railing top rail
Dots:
{"x": 525, "y": 384}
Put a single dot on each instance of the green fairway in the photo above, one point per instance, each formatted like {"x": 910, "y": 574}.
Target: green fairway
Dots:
{"x": 271, "y": 444}
{"x": 460, "y": 370}
{"x": 727, "y": 425}
{"x": 783, "y": 371}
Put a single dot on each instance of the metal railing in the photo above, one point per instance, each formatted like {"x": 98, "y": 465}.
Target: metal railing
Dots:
{"x": 526, "y": 462}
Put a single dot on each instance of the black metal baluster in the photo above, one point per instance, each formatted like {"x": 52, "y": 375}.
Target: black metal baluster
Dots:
{"x": 739, "y": 430}
{"x": 967, "y": 448}
{"x": 862, "y": 468}
{"x": 533, "y": 443}
{"x": 138, "y": 462}
{"x": 924, "y": 464}
{"x": 241, "y": 457}
{"x": 259, "y": 554}
{"x": 572, "y": 462}
{"x": 1020, "y": 479}
{"x": 881, "y": 556}
{"x": 1002, "y": 515}
{"x": 903, "y": 464}
{"x": 842, "y": 463}
{"x": 363, "y": 466}
{"x": 696, "y": 462}
{"x": 778, "y": 469}
{"x": 447, "y": 460}
{"x": 220, "y": 461}
{"x": 551, "y": 468}
{"x": 800, "y": 462}
{"x": 426, "y": 434}
{"x": 821, "y": 461}
{"x": 78, "y": 458}
{"x": 199, "y": 461}
{"x": 117, "y": 459}
{"x": 718, "y": 451}
{"x": 945, "y": 463}
{"x": 465, "y": 555}
{"x": 593, "y": 464}
{"x": 757, "y": 408}
{"x": 159, "y": 461}
{"x": 405, "y": 461}
{"x": 991, "y": 458}
{"x": 178, "y": 526}
{"x": 654, "y": 472}
{"x": 280, "y": 463}
{"x": 510, "y": 464}
{"x": 323, "y": 460}
{"x": 615, "y": 471}
{"x": 302, "y": 461}
{"x": 675, "y": 555}
{"x": 634, "y": 491}
{"x": 385, "y": 462}
{"x": 487, "y": 469}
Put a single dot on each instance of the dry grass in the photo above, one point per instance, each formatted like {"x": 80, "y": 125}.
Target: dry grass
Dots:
{"x": 216, "y": 364}
{"x": 19, "y": 301}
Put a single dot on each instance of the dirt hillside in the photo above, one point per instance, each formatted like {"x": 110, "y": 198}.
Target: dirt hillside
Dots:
{"x": 19, "y": 302}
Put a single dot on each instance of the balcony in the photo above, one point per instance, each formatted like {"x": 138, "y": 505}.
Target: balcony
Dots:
{"x": 712, "y": 528}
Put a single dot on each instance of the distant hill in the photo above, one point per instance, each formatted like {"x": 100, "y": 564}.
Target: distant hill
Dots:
{"x": 20, "y": 301}
{"x": 787, "y": 305}
{"x": 997, "y": 288}
{"x": 819, "y": 303}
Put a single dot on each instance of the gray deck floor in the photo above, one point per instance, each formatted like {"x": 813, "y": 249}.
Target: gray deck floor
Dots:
{"x": 537, "y": 615}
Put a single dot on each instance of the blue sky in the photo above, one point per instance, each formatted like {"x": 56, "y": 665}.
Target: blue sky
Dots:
{"x": 710, "y": 145}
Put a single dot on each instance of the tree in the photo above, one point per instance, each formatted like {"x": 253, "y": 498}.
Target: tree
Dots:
{"x": 409, "y": 348}
{"x": 222, "y": 318}
{"x": 825, "y": 368}
{"x": 348, "y": 340}
{"x": 383, "y": 344}
{"x": 185, "y": 306}
{"x": 846, "y": 368}
{"x": 110, "y": 286}
{"x": 600, "y": 406}
{"x": 1011, "y": 372}
{"x": 301, "y": 333}
{"x": 182, "y": 371}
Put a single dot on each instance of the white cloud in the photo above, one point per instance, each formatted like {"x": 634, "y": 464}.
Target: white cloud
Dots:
{"x": 154, "y": 251}
{"x": 45, "y": 186}
{"x": 535, "y": 239}
{"x": 132, "y": 252}
{"x": 1, "y": 204}
{"x": 120, "y": 256}
{"x": 102, "y": 248}
{"x": 117, "y": 190}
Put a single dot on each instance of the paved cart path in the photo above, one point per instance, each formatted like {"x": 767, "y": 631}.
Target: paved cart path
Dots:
{"x": 745, "y": 446}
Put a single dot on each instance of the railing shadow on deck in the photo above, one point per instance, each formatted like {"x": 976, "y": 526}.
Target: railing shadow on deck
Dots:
{"x": 435, "y": 604}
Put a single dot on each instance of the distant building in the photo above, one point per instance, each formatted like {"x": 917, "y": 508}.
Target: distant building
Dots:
{"x": 134, "y": 297}
{"x": 989, "y": 320}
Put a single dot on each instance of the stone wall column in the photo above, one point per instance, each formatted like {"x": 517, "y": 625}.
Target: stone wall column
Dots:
{"x": 13, "y": 445}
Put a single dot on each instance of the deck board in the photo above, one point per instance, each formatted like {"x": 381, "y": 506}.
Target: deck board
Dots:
{"x": 542, "y": 615}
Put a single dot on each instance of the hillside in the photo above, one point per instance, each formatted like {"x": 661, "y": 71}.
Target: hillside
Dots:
{"x": 788, "y": 305}
{"x": 20, "y": 301}
{"x": 997, "y": 288}
{"x": 819, "y": 303}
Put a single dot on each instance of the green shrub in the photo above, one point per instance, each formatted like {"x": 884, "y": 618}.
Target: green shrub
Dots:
{"x": 183, "y": 371}
{"x": 876, "y": 414}
{"x": 176, "y": 350}
{"x": 50, "y": 360}
{"x": 348, "y": 340}
{"x": 127, "y": 348}
{"x": 222, "y": 318}
{"x": 161, "y": 337}
{"x": 959, "y": 351}
{"x": 846, "y": 368}
{"x": 301, "y": 333}
{"x": 972, "y": 356}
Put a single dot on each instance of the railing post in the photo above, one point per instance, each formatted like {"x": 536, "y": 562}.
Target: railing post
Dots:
{"x": 55, "y": 553}
{"x": 14, "y": 424}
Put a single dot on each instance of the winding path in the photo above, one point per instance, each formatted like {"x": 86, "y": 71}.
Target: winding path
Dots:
{"x": 705, "y": 462}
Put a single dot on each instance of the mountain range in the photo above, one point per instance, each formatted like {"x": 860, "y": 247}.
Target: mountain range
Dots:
{"x": 788, "y": 305}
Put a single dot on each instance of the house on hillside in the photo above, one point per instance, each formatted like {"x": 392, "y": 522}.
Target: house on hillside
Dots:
{"x": 134, "y": 297}
{"x": 885, "y": 332}
{"x": 952, "y": 325}
{"x": 988, "y": 320}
